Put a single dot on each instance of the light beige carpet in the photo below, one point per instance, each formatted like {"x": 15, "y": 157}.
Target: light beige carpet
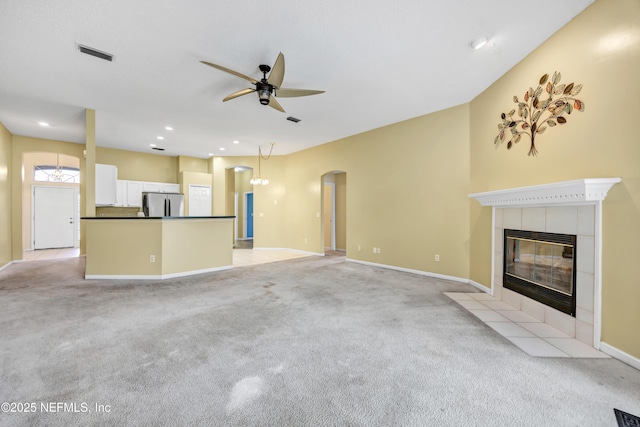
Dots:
{"x": 311, "y": 341}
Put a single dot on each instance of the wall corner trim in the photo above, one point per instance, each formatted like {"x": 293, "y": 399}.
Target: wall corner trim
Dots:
{"x": 620, "y": 355}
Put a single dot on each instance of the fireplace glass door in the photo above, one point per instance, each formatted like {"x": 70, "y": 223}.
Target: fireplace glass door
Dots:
{"x": 541, "y": 266}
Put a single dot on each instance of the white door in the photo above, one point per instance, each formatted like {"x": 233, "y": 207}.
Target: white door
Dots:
{"x": 199, "y": 200}
{"x": 53, "y": 217}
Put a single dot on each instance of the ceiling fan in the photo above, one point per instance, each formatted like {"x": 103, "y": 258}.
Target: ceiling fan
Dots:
{"x": 266, "y": 86}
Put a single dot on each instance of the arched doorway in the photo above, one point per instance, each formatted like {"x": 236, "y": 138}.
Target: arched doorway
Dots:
{"x": 240, "y": 204}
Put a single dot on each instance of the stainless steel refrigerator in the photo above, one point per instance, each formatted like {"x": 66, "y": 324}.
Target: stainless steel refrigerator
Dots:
{"x": 162, "y": 204}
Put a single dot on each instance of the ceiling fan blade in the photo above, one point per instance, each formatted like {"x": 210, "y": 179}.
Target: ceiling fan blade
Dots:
{"x": 275, "y": 104}
{"x": 290, "y": 93}
{"x": 277, "y": 72}
{"x": 238, "y": 93}
{"x": 227, "y": 70}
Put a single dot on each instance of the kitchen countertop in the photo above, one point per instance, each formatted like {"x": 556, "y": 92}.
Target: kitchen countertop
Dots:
{"x": 156, "y": 217}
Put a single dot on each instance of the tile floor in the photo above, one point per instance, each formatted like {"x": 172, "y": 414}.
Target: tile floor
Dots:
{"x": 528, "y": 333}
{"x": 241, "y": 257}
{"x": 43, "y": 254}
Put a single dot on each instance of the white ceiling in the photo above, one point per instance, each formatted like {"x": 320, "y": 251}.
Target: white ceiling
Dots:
{"x": 379, "y": 61}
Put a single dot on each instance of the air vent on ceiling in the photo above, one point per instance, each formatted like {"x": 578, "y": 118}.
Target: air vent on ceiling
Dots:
{"x": 95, "y": 52}
{"x": 157, "y": 148}
{"x": 293, "y": 119}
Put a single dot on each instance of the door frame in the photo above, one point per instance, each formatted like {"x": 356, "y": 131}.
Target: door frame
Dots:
{"x": 332, "y": 244}
{"x": 246, "y": 193}
{"x": 76, "y": 212}
{"x": 235, "y": 212}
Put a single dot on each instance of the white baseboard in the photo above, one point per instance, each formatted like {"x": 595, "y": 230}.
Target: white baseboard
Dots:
{"x": 155, "y": 276}
{"x": 6, "y": 265}
{"x": 481, "y": 287}
{"x": 408, "y": 270}
{"x": 289, "y": 249}
{"x": 620, "y": 355}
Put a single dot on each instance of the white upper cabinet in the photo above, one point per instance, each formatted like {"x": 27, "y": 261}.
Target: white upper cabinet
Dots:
{"x": 155, "y": 187}
{"x": 170, "y": 188}
{"x": 106, "y": 185}
{"x": 134, "y": 193}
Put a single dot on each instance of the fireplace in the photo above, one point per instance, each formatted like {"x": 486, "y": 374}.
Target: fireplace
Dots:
{"x": 571, "y": 208}
{"x": 541, "y": 266}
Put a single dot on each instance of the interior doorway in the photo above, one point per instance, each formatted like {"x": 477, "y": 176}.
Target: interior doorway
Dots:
{"x": 334, "y": 208}
{"x": 248, "y": 215}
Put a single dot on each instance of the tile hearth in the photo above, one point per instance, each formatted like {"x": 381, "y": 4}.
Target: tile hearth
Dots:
{"x": 532, "y": 336}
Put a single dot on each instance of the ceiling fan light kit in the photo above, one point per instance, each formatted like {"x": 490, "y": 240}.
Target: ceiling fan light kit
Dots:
{"x": 267, "y": 86}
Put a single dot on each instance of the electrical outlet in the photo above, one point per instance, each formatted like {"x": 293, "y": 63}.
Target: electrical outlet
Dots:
{"x": 152, "y": 258}
{"x": 375, "y": 250}
{"x": 359, "y": 248}
{"x": 305, "y": 240}
{"x": 437, "y": 258}
{"x": 378, "y": 250}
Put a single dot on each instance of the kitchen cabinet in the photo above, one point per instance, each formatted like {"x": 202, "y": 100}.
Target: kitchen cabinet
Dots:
{"x": 121, "y": 193}
{"x": 155, "y": 187}
{"x": 129, "y": 193}
{"x": 106, "y": 185}
{"x": 170, "y": 188}
{"x": 160, "y": 187}
{"x": 134, "y": 193}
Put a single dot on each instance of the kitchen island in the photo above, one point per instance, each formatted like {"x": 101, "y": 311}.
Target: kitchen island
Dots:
{"x": 157, "y": 247}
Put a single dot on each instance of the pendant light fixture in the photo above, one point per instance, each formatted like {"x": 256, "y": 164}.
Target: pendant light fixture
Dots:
{"x": 260, "y": 180}
{"x": 57, "y": 174}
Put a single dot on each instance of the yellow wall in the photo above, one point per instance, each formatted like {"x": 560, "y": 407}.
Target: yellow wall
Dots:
{"x": 192, "y": 164}
{"x": 5, "y": 196}
{"x": 600, "y": 49}
{"x": 407, "y": 187}
{"x": 20, "y": 146}
{"x": 140, "y": 166}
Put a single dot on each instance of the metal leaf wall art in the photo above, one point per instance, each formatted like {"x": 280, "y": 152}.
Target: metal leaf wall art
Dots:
{"x": 542, "y": 108}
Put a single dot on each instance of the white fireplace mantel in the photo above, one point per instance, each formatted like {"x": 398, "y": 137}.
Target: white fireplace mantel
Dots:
{"x": 564, "y": 209}
{"x": 579, "y": 191}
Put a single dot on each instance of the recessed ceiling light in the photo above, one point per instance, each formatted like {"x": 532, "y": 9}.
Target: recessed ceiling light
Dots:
{"x": 168, "y": 128}
{"x": 152, "y": 145}
{"x": 160, "y": 137}
{"x": 236, "y": 142}
{"x": 44, "y": 124}
{"x": 478, "y": 43}
{"x": 211, "y": 154}
{"x": 222, "y": 148}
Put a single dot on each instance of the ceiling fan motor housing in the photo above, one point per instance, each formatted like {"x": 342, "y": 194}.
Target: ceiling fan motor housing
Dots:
{"x": 264, "y": 92}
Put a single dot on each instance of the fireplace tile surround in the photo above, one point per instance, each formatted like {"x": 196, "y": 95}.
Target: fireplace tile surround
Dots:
{"x": 562, "y": 220}
{"x": 572, "y": 207}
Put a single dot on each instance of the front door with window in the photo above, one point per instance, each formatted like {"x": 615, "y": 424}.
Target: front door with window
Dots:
{"x": 53, "y": 217}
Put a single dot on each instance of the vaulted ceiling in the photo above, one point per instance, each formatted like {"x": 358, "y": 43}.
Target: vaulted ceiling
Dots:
{"x": 379, "y": 62}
